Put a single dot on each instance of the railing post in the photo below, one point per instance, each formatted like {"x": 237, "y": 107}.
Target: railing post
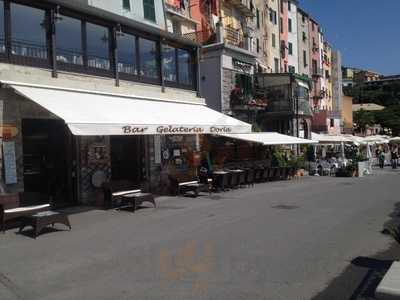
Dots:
{"x": 53, "y": 45}
{"x": 114, "y": 52}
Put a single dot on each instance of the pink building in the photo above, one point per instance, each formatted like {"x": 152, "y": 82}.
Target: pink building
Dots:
{"x": 315, "y": 63}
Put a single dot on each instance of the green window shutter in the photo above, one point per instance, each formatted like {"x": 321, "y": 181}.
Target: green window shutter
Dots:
{"x": 149, "y": 10}
{"x": 126, "y": 4}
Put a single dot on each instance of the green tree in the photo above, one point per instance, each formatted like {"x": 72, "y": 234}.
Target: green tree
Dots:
{"x": 363, "y": 119}
{"x": 389, "y": 118}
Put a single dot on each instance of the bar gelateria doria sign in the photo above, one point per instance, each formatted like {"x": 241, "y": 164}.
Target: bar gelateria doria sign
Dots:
{"x": 173, "y": 129}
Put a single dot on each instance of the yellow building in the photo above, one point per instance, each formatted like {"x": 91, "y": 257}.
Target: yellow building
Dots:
{"x": 347, "y": 114}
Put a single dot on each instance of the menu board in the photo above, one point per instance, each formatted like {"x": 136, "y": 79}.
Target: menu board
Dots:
{"x": 10, "y": 165}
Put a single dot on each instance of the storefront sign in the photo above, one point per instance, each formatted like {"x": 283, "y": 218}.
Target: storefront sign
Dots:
{"x": 241, "y": 66}
{"x": 10, "y": 165}
{"x": 174, "y": 129}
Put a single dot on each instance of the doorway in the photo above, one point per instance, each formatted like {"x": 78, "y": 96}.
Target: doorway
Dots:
{"x": 48, "y": 152}
{"x": 127, "y": 159}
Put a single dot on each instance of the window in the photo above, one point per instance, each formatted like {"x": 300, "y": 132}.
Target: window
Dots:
{"x": 273, "y": 40}
{"x": 290, "y": 47}
{"x": 332, "y": 121}
{"x": 290, "y": 25}
{"x": 258, "y": 45}
{"x": 327, "y": 76}
{"x": 281, "y": 7}
{"x": 149, "y": 10}
{"x": 314, "y": 66}
{"x": 304, "y": 36}
{"x": 313, "y": 26}
{"x": 69, "y": 41}
{"x": 2, "y": 40}
{"x": 169, "y": 63}
{"x": 28, "y": 31}
{"x": 289, "y": 6}
{"x": 185, "y": 67}
{"x": 127, "y": 54}
{"x": 281, "y": 24}
{"x": 244, "y": 83}
{"x": 303, "y": 18}
{"x": 305, "y": 58}
{"x": 292, "y": 69}
{"x": 148, "y": 59}
{"x": 258, "y": 18}
{"x": 273, "y": 16}
{"x": 98, "y": 47}
{"x": 276, "y": 61}
{"x": 126, "y": 4}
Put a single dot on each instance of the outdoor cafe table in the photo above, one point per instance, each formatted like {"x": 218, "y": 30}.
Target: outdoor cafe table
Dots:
{"x": 220, "y": 179}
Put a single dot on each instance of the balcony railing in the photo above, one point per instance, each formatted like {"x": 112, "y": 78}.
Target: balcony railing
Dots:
{"x": 185, "y": 12}
{"x": 317, "y": 72}
{"x": 244, "y": 6}
{"x": 201, "y": 37}
{"x": 234, "y": 37}
{"x": 27, "y": 49}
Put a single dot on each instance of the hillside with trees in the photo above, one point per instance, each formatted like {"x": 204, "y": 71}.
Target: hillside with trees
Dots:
{"x": 387, "y": 95}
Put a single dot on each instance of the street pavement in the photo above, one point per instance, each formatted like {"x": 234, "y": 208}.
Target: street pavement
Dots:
{"x": 312, "y": 238}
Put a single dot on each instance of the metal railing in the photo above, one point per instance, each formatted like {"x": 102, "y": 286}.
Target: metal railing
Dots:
{"x": 69, "y": 56}
{"x": 28, "y": 49}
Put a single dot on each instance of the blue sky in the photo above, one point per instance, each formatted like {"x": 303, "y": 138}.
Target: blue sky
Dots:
{"x": 367, "y": 32}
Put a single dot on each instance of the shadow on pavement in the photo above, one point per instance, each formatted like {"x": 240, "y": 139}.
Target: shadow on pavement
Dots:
{"x": 361, "y": 278}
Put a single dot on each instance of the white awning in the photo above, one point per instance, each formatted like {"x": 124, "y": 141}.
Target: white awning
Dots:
{"x": 330, "y": 139}
{"x": 92, "y": 113}
{"x": 269, "y": 138}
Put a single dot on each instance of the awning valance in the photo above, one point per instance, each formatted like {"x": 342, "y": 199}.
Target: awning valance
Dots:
{"x": 330, "y": 139}
{"x": 269, "y": 138}
{"x": 91, "y": 113}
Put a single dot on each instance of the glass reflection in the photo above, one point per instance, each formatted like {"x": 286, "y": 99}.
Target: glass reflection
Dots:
{"x": 2, "y": 42}
{"x": 28, "y": 31}
{"x": 148, "y": 58}
{"x": 185, "y": 67}
{"x": 69, "y": 41}
{"x": 169, "y": 63}
{"x": 127, "y": 54}
{"x": 98, "y": 49}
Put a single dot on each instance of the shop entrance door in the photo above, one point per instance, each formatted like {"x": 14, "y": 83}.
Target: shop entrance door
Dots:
{"x": 127, "y": 159}
{"x": 48, "y": 153}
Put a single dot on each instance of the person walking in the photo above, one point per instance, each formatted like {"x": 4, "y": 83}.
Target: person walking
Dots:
{"x": 394, "y": 157}
{"x": 381, "y": 159}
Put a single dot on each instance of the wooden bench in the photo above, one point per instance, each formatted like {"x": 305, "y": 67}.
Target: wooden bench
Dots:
{"x": 181, "y": 185}
{"x": 11, "y": 207}
{"x": 115, "y": 190}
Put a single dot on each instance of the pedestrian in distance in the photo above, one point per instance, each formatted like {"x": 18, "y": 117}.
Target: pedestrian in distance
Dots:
{"x": 381, "y": 159}
{"x": 394, "y": 157}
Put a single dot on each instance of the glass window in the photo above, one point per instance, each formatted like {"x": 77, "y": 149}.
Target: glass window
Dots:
{"x": 126, "y": 4}
{"x": 290, "y": 25}
{"x": 2, "y": 43}
{"x": 290, "y": 48}
{"x": 169, "y": 63}
{"x": 28, "y": 31}
{"x": 127, "y": 54}
{"x": 185, "y": 67}
{"x": 148, "y": 58}
{"x": 69, "y": 41}
{"x": 98, "y": 49}
{"x": 149, "y": 10}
